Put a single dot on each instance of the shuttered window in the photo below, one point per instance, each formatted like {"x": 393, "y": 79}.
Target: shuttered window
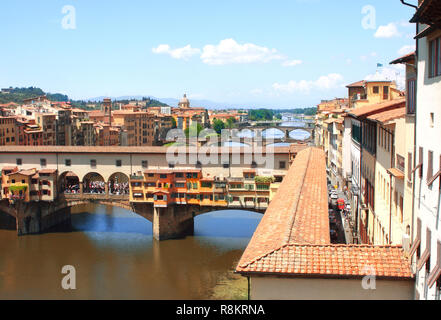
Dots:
{"x": 430, "y": 166}
{"x": 435, "y": 57}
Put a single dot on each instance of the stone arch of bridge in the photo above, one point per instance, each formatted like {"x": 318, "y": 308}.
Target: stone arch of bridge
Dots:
{"x": 68, "y": 182}
{"x": 118, "y": 183}
{"x": 94, "y": 183}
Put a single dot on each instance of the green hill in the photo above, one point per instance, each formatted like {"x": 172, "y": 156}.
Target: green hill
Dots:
{"x": 17, "y": 95}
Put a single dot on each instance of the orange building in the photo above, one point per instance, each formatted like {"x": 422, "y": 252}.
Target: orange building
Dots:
{"x": 29, "y": 185}
{"x": 139, "y": 126}
{"x": 107, "y": 135}
{"x": 47, "y": 122}
{"x": 185, "y": 116}
{"x": 164, "y": 187}
{"x": 7, "y": 131}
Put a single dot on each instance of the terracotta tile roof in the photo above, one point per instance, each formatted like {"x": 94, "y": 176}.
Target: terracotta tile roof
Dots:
{"x": 293, "y": 238}
{"x": 356, "y": 84}
{"x": 158, "y": 171}
{"x": 299, "y": 211}
{"x": 374, "y": 108}
{"x": 29, "y": 172}
{"x": 396, "y": 173}
{"x": 428, "y": 13}
{"x": 9, "y": 168}
{"x": 388, "y": 115}
{"x": 50, "y": 171}
{"x": 406, "y": 58}
{"x": 342, "y": 261}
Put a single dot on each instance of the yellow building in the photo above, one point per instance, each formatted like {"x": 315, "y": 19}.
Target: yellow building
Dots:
{"x": 364, "y": 93}
{"x": 29, "y": 185}
{"x": 408, "y": 139}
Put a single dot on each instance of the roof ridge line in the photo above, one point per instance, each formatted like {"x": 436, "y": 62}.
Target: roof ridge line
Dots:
{"x": 298, "y": 196}
{"x": 285, "y": 241}
{"x": 264, "y": 255}
{"x": 330, "y": 245}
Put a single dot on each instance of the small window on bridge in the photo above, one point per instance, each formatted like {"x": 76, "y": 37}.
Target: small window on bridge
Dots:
{"x": 43, "y": 162}
{"x": 144, "y": 164}
{"x": 93, "y": 163}
{"x": 118, "y": 163}
{"x": 19, "y": 162}
{"x": 171, "y": 165}
{"x": 68, "y": 162}
{"x": 282, "y": 165}
{"x": 253, "y": 164}
{"x": 226, "y": 165}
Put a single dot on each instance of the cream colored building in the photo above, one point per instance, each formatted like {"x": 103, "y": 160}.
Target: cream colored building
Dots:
{"x": 426, "y": 234}
{"x": 391, "y": 222}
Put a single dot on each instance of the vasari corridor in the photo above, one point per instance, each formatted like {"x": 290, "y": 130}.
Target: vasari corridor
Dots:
{"x": 220, "y": 159}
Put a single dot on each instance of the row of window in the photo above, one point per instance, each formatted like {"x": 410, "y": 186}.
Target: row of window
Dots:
{"x": 385, "y": 139}
{"x": 430, "y": 173}
{"x": 144, "y": 164}
{"x": 425, "y": 259}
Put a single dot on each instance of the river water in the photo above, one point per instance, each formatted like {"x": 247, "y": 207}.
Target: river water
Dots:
{"x": 115, "y": 257}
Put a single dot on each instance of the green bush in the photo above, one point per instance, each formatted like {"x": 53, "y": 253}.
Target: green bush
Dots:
{"x": 261, "y": 179}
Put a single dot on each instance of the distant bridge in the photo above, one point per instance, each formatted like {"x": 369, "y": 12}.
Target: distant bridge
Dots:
{"x": 286, "y": 130}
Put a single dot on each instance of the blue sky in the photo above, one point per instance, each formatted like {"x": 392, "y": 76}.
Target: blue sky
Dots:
{"x": 280, "y": 53}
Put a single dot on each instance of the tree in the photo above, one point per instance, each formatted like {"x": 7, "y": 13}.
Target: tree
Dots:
{"x": 260, "y": 114}
{"x": 230, "y": 122}
{"x": 174, "y": 125}
{"x": 218, "y": 125}
{"x": 193, "y": 130}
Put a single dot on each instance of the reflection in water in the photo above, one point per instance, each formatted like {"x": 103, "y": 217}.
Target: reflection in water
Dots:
{"x": 293, "y": 124}
{"x": 116, "y": 258}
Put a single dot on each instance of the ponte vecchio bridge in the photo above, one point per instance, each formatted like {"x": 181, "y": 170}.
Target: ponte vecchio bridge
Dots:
{"x": 41, "y": 184}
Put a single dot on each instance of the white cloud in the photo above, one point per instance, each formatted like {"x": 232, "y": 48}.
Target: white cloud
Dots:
{"x": 180, "y": 53}
{"x": 228, "y": 51}
{"x": 388, "y": 31}
{"x": 407, "y": 49}
{"x": 330, "y": 81}
{"x": 291, "y": 63}
{"x": 390, "y": 73}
